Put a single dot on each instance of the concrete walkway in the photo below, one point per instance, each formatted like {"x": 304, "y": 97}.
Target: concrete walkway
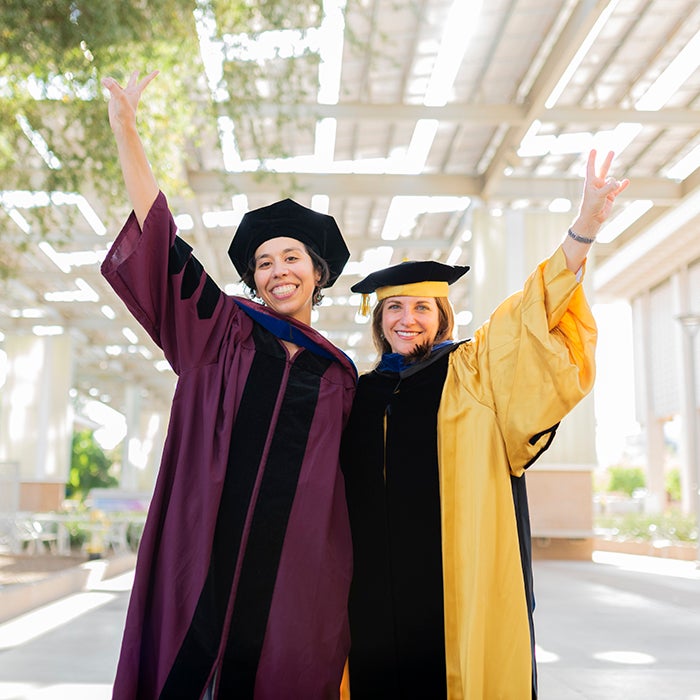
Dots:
{"x": 619, "y": 628}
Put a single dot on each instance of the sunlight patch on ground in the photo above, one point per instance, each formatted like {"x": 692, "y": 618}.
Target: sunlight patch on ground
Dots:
{"x": 116, "y": 584}
{"x": 545, "y": 657}
{"x": 26, "y": 627}
{"x": 650, "y": 565}
{"x": 631, "y": 658}
{"x": 56, "y": 691}
{"x": 13, "y": 691}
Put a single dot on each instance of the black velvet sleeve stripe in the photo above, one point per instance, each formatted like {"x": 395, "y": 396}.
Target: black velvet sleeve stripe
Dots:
{"x": 536, "y": 437}
{"x": 550, "y": 433}
{"x": 178, "y": 256}
{"x": 208, "y": 298}
{"x": 190, "y": 279}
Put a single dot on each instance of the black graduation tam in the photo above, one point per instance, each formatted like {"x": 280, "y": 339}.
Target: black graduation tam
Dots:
{"x": 288, "y": 218}
{"x": 409, "y": 272}
{"x": 424, "y": 278}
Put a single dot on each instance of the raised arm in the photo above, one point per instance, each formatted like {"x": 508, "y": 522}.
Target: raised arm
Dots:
{"x": 599, "y": 194}
{"x": 141, "y": 185}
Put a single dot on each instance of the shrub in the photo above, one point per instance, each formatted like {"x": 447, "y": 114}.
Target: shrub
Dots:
{"x": 626, "y": 479}
{"x": 673, "y": 484}
{"x": 671, "y": 525}
{"x": 90, "y": 466}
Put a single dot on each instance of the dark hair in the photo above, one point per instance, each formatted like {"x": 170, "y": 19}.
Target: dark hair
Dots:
{"x": 446, "y": 325}
{"x": 320, "y": 266}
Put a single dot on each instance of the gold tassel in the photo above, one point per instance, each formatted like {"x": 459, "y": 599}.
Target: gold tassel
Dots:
{"x": 364, "y": 305}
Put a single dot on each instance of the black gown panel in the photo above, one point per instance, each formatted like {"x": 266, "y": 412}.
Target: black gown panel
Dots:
{"x": 397, "y": 636}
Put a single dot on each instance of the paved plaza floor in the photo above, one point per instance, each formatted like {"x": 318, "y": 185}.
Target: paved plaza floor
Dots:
{"x": 620, "y": 627}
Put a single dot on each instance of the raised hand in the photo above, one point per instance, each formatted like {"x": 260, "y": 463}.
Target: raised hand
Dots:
{"x": 124, "y": 101}
{"x": 141, "y": 184}
{"x": 599, "y": 191}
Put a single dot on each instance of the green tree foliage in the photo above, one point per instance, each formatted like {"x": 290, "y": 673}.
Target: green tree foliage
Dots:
{"x": 90, "y": 466}
{"x": 54, "y": 53}
{"x": 626, "y": 479}
{"x": 53, "y": 56}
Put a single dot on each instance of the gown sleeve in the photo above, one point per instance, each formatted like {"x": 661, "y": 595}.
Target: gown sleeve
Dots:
{"x": 536, "y": 359}
{"x": 166, "y": 289}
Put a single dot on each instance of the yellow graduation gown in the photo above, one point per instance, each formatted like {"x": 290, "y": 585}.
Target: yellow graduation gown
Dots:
{"x": 525, "y": 369}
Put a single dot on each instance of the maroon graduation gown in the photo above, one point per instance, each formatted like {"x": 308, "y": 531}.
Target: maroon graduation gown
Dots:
{"x": 245, "y": 562}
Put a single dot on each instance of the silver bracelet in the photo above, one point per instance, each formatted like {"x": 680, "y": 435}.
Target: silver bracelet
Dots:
{"x": 581, "y": 239}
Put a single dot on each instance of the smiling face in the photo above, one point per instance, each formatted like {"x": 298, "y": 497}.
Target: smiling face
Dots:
{"x": 409, "y": 322}
{"x": 285, "y": 277}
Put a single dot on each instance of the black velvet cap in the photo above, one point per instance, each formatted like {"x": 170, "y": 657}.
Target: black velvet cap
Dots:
{"x": 289, "y": 219}
{"x": 410, "y": 272}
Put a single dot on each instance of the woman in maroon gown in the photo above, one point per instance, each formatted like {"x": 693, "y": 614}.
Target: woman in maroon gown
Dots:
{"x": 244, "y": 568}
